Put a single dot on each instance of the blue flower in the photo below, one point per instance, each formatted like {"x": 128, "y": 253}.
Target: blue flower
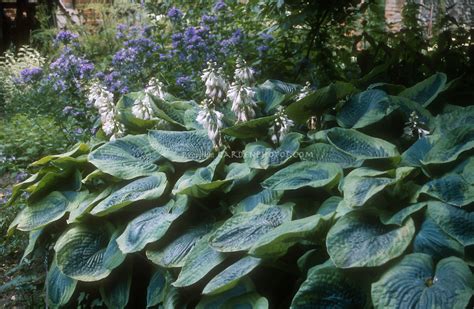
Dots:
{"x": 175, "y": 14}
{"x": 184, "y": 81}
{"x": 65, "y": 37}
{"x": 67, "y": 71}
{"x": 29, "y": 75}
{"x": 266, "y": 36}
{"x": 208, "y": 19}
{"x": 219, "y": 6}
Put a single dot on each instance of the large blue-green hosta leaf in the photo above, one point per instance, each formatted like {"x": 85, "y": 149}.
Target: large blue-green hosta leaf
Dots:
{"x": 216, "y": 301}
{"x": 199, "y": 262}
{"x": 277, "y": 242}
{"x": 326, "y": 153}
{"x": 456, "y": 222}
{"x": 181, "y": 146}
{"x": 175, "y": 253}
{"x": 416, "y": 153}
{"x": 156, "y": 288}
{"x": 361, "y": 146}
{"x": 450, "y": 146}
{"x": 250, "y": 300}
{"x": 360, "y": 240}
{"x": 449, "y": 121}
{"x": 151, "y": 225}
{"x": 304, "y": 174}
{"x": 426, "y": 91}
{"x": 313, "y": 104}
{"x": 230, "y": 276}
{"x": 250, "y": 129}
{"x": 400, "y": 216}
{"x": 127, "y": 158}
{"x": 364, "y": 109}
{"x": 88, "y": 252}
{"x": 115, "y": 291}
{"x": 266, "y": 196}
{"x": 415, "y": 282}
{"x": 147, "y": 188}
{"x": 59, "y": 286}
{"x": 452, "y": 189}
{"x": 49, "y": 209}
{"x": 261, "y": 155}
{"x": 244, "y": 229}
{"x": 78, "y": 150}
{"x": 328, "y": 287}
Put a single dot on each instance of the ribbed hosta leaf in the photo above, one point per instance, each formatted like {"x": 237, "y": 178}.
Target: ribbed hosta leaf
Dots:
{"x": 364, "y": 109}
{"x": 151, "y": 225}
{"x": 458, "y": 223}
{"x": 180, "y": 146}
{"x": 76, "y": 151}
{"x": 199, "y": 182}
{"x": 250, "y": 129}
{"x": 426, "y": 91}
{"x": 244, "y": 229}
{"x": 126, "y": 158}
{"x": 266, "y": 196}
{"x": 452, "y": 189}
{"x": 277, "y": 242}
{"x": 49, "y": 209}
{"x": 328, "y": 287}
{"x": 399, "y": 217}
{"x": 415, "y": 154}
{"x": 269, "y": 97}
{"x": 304, "y": 174}
{"x": 250, "y": 300}
{"x": 432, "y": 240}
{"x": 361, "y": 240}
{"x": 415, "y": 282}
{"x": 239, "y": 174}
{"x": 326, "y": 153}
{"x": 147, "y": 188}
{"x": 156, "y": 288}
{"x": 261, "y": 155}
{"x": 83, "y": 208}
{"x": 115, "y": 291}
{"x": 216, "y": 301}
{"x": 361, "y": 146}
{"x": 230, "y": 276}
{"x": 174, "y": 253}
{"x": 88, "y": 252}
{"x": 313, "y": 104}
{"x": 200, "y": 261}
{"x": 449, "y": 121}
{"x": 450, "y": 146}
{"x": 60, "y": 287}
{"x": 173, "y": 112}
{"x": 32, "y": 239}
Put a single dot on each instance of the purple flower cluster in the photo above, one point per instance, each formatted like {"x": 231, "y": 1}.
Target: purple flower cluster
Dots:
{"x": 29, "y": 75}
{"x": 235, "y": 39}
{"x": 65, "y": 37}
{"x": 175, "y": 14}
{"x": 71, "y": 111}
{"x": 219, "y": 6}
{"x": 68, "y": 70}
{"x": 208, "y": 19}
{"x": 184, "y": 82}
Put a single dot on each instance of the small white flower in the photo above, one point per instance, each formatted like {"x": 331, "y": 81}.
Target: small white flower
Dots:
{"x": 243, "y": 104}
{"x": 244, "y": 73}
{"x": 414, "y": 127}
{"x": 155, "y": 88}
{"x": 216, "y": 85}
{"x": 281, "y": 126}
{"x": 304, "y": 91}
{"x": 212, "y": 121}
{"x": 142, "y": 108}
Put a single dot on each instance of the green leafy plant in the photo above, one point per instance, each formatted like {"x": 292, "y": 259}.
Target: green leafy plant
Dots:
{"x": 356, "y": 212}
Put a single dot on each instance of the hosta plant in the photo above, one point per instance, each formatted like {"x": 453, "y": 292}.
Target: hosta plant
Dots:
{"x": 359, "y": 210}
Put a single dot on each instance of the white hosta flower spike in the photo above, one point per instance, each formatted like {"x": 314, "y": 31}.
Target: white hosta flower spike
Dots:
{"x": 304, "y": 91}
{"x": 212, "y": 121}
{"x": 243, "y": 104}
{"x": 414, "y": 127}
{"x": 281, "y": 126}
{"x": 216, "y": 85}
{"x": 244, "y": 73}
{"x": 142, "y": 108}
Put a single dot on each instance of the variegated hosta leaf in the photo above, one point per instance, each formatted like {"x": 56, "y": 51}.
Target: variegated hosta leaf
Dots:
{"x": 151, "y": 225}
{"x": 174, "y": 253}
{"x": 432, "y": 240}
{"x": 364, "y": 109}
{"x": 84, "y": 206}
{"x": 266, "y": 196}
{"x": 415, "y": 154}
{"x": 88, "y": 252}
{"x": 76, "y": 151}
{"x": 415, "y": 282}
{"x": 49, "y": 209}
{"x": 449, "y": 121}
{"x": 313, "y": 104}
{"x": 250, "y": 300}
{"x": 362, "y": 146}
{"x": 239, "y": 174}
{"x": 127, "y": 158}
{"x": 230, "y": 276}
{"x": 361, "y": 240}
{"x": 399, "y": 217}
{"x": 216, "y": 301}
{"x": 199, "y": 262}
{"x": 452, "y": 189}
{"x": 261, "y": 155}
{"x": 147, "y": 188}
{"x": 32, "y": 239}
{"x": 199, "y": 183}
{"x": 450, "y": 146}
{"x": 426, "y": 91}
{"x": 326, "y": 153}
{"x": 458, "y": 223}
{"x": 304, "y": 174}
{"x": 115, "y": 290}
{"x": 250, "y": 129}
{"x": 244, "y": 229}
{"x": 59, "y": 286}
{"x": 277, "y": 242}
{"x": 329, "y": 287}
{"x": 181, "y": 146}
{"x": 156, "y": 288}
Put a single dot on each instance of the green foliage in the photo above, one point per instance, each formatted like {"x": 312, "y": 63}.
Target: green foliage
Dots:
{"x": 354, "y": 216}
